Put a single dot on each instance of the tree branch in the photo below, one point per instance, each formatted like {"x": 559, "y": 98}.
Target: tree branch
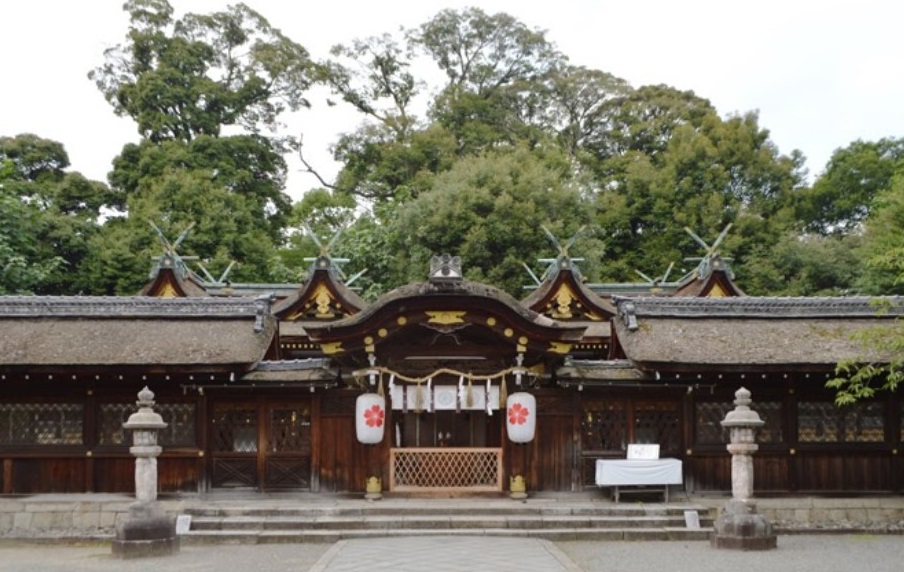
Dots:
{"x": 309, "y": 168}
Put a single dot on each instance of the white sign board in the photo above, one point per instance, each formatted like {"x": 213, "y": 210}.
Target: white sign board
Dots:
{"x": 692, "y": 519}
{"x": 643, "y": 451}
{"x": 183, "y": 523}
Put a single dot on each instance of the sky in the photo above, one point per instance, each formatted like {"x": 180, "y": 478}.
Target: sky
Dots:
{"x": 820, "y": 74}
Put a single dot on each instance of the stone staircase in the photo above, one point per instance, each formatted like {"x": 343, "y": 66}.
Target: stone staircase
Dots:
{"x": 251, "y": 523}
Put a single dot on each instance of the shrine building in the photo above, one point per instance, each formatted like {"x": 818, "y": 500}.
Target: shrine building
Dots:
{"x": 261, "y": 385}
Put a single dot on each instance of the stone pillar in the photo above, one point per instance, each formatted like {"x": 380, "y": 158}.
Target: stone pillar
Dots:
{"x": 148, "y": 531}
{"x": 740, "y": 527}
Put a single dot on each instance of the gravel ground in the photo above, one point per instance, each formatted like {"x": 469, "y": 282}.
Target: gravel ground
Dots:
{"x": 804, "y": 553}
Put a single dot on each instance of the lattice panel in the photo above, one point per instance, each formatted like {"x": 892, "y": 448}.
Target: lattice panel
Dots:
{"x": 603, "y": 427}
{"x": 179, "y": 418}
{"x": 289, "y": 473}
{"x": 234, "y": 472}
{"x": 824, "y": 422}
{"x": 445, "y": 469}
{"x": 771, "y": 413}
{"x": 657, "y": 423}
{"x": 234, "y": 429}
{"x": 41, "y": 423}
{"x": 709, "y": 415}
{"x": 181, "y": 428}
{"x": 290, "y": 430}
{"x": 111, "y": 416}
{"x": 817, "y": 422}
{"x": 864, "y": 422}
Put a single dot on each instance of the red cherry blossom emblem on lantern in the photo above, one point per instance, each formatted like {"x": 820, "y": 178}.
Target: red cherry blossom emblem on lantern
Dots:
{"x": 518, "y": 414}
{"x": 374, "y": 416}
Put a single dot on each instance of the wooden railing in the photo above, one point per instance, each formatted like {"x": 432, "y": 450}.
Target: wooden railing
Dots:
{"x": 445, "y": 469}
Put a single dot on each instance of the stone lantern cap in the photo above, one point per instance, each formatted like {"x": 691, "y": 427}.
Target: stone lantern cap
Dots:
{"x": 145, "y": 417}
{"x": 742, "y": 415}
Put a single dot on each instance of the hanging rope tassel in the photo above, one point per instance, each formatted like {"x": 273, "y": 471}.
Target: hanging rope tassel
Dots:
{"x": 469, "y": 400}
{"x": 503, "y": 394}
{"x": 380, "y": 387}
{"x": 419, "y": 399}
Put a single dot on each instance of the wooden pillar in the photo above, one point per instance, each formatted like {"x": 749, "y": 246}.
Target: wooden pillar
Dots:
{"x": 7, "y": 476}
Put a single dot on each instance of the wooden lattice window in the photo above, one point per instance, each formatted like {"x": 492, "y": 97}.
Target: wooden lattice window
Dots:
{"x": 824, "y": 422}
{"x": 709, "y": 415}
{"x": 771, "y": 414}
{"x": 111, "y": 416}
{"x": 179, "y": 418}
{"x": 603, "y": 426}
{"x": 41, "y": 423}
{"x": 657, "y": 422}
{"x": 234, "y": 429}
{"x": 290, "y": 430}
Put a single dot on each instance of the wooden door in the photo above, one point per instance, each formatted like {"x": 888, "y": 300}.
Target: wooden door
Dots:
{"x": 263, "y": 443}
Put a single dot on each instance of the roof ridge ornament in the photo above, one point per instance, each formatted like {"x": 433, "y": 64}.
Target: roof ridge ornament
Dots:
{"x": 445, "y": 270}
{"x": 563, "y": 260}
{"x": 170, "y": 258}
{"x": 712, "y": 259}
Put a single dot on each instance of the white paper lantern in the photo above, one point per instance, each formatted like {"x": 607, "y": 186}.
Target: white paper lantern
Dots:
{"x": 370, "y": 418}
{"x": 521, "y": 417}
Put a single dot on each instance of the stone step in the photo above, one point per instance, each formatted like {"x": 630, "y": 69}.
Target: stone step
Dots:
{"x": 380, "y": 509}
{"x": 437, "y": 522}
{"x": 331, "y": 536}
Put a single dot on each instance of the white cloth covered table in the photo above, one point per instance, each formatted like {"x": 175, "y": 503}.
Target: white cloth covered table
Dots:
{"x": 639, "y": 472}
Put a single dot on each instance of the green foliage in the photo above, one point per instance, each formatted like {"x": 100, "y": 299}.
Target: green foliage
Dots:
{"x": 810, "y": 265}
{"x": 489, "y": 210}
{"x": 377, "y": 166}
{"x": 677, "y": 164}
{"x": 883, "y": 241}
{"x": 857, "y": 379}
{"x": 883, "y": 247}
{"x": 54, "y": 214}
{"x": 23, "y": 269}
{"x": 179, "y": 79}
{"x": 841, "y": 198}
{"x": 184, "y": 82}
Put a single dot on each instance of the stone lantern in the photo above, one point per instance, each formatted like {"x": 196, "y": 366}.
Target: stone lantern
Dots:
{"x": 740, "y": 527}
{"x": 148, "y": 531}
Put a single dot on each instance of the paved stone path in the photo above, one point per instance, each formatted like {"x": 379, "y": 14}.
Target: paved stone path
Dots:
{"x": 825, "y": 553}
{"x": 445, "y": 554}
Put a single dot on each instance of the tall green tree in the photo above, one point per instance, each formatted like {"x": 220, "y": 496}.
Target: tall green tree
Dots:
{"x": 53, "y": 211}
{"x": 489, "y": 210}
{"x": 669, "y": 162}
{"x": 842, "y": 196}
{"x": 204, "y": 90}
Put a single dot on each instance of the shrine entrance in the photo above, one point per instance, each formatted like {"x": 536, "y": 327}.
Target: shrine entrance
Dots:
{"x": 446, "y": 451}
{"x": 262, "y": 443}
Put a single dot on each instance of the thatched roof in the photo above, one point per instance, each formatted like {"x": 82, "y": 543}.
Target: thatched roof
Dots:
{"x": 747, "y": 331}
{"x": 133, "y": 331}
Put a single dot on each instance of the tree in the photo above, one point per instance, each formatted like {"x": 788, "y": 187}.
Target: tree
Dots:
{"x": 179, "y": 79}
{"x": 669, "y": 162}
{"x": 883, "y": 244}
{"x": 56, "y": 213}
{"x": 490, "y": 210}
{"x": 187, "y": 82}
{"x": 497, "y": 71}
{"x": 841, "y": 197}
